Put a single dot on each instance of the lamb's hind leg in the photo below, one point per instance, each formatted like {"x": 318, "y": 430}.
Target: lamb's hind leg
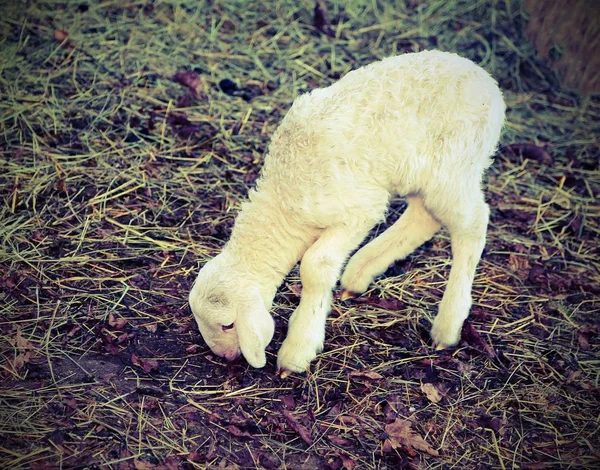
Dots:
{"x": 319, "y": 272}
{"x": 414, "y": 227}
{"x": 466, "y": 221}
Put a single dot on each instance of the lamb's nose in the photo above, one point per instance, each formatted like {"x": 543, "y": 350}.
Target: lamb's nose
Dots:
{"x": 231, "y": 355}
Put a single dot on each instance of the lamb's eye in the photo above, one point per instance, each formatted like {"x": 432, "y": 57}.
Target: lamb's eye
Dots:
{"x": 228, "y": 327}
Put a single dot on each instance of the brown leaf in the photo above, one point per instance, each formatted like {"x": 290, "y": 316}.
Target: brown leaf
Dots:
{"x": 573, "y": 376}
{"x": 21, "y": 342}
{"x": 537, "y": 274}
{"x": 348, "y": 420}
{"x": 25, "y": 350}
{"x": 529, "y": 151}
{"x": 518, "y": 263}
{"x": 348, "y": 462}
{"x": 489, "y": 422}
{"x": 60, "y": 35}
{"x": 337, "y": 440}
{"x": 146, "y": 364}
{"x": 21, "y": 359}
{"x": 172, "y": 463}
{"x": 302, "y": 430}
{"x": 320, "y": 20}
{"x": 225, "y": 465}
{"x": 116, "y": 323}
{"x": 143, "y": 465}
{"x": 268, "y": 460}
{"x": 191, "y": 80}
{"x": 288, "y": 402}
{"x": 237, "y": 432}
{"x": 583, "y": 336}
{"x": 385, "y": 304}
{"x": 364, "y": 375}
{"x": 400, "y": 434}
{"x": 474, "y": 339}
{"x": 432, "y": 393}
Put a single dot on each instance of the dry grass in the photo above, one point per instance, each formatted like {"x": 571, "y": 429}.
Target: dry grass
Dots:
{"x": 116, "y": 181}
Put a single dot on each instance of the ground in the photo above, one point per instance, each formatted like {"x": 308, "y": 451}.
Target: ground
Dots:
{"x": 130, "y": 134}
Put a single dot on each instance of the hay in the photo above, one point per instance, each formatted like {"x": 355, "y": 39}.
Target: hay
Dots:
{"x": 116, "y": 180}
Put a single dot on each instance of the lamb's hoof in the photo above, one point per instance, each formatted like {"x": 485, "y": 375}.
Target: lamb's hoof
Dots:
{"x": 296, "y": 355}
{"x": 445, "y": 332}
{"x": 284, "y": 373}
{"x": 346, "y": 295}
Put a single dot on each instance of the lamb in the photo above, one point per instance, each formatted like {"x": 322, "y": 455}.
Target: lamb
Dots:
{"x": 421, "y": 125}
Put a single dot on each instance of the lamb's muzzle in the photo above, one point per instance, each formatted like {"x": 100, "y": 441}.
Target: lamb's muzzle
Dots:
{"x": 420, "y": 125}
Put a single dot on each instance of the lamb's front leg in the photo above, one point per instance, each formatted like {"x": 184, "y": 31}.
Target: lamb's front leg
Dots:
{"x": 319, "y": 272}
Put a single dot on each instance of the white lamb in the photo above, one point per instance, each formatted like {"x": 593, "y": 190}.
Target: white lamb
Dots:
{"x": 422, "y": 125}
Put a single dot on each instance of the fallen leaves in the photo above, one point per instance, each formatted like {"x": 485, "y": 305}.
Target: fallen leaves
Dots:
{"x": 191, "y": 80}
{"x": 24, "y": 351}
{"x": 385, "y": 304}
{"x": 364, "y": 375}
{"x": 529, "y": 151}
{"x": 299, "y": 428}
{"x": 117, "y": 323}
{"x": 584, "y": 334}
{"x": 60, "y": 35}
{"x": 472, "y": 337}
{"x": 518, "y": 262}
{"x": 147, "y": 365}
{"x": 400, "y": 434}
{"x": 320, "y": 21}
{"x": 433, "y": 393}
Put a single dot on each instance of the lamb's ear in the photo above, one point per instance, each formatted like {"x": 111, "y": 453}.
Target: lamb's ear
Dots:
{"x": 255, "y": 328}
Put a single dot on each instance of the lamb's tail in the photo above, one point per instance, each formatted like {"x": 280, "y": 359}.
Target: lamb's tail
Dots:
{"x": 495, "y": 123}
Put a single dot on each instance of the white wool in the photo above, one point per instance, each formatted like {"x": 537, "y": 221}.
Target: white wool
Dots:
{"x": 420, "y": 125}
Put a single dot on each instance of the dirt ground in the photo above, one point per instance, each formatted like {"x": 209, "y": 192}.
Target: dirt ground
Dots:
{"x": 130, "y": 133}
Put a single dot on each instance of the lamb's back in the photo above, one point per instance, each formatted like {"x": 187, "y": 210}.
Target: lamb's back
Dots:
{"x": 391, "y": 126}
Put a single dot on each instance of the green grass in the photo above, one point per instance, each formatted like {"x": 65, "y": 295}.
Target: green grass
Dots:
{"x": 116, "y": 183}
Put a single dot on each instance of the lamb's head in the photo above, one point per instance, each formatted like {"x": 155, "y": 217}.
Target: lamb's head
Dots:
{"x": 231, "y": 313}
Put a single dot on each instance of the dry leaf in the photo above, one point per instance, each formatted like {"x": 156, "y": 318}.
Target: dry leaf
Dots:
{"x": 348, "y": 463}
{"x": 518, "y": 263}
{"x": 225, "y": 465}
{"x": 146, "y": 364}
{"x": 364, "y": 375}
{"x": 237, "y": 432}
{"x": 288, "y": 402}
{"x": 385, "y": 304}
{"x": 530, "y": 151}
{"x": 432, "y": 393}
{"x": 191, "y": 80}
{"x": 321, "y": 22}
{"x": 474, "y": 339}
{"x": 142, "y": 465}
{"x": 302, "y": 430}
{"x": 60, "y": 35}
{"x": 400, "y": 434}
{"x": 116, "y": 323}
{"x": 337, "y": 440}
{"x": 21, "y": 342}
{"x": 21, "y": 359}
{"x": 25, "y": 349}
